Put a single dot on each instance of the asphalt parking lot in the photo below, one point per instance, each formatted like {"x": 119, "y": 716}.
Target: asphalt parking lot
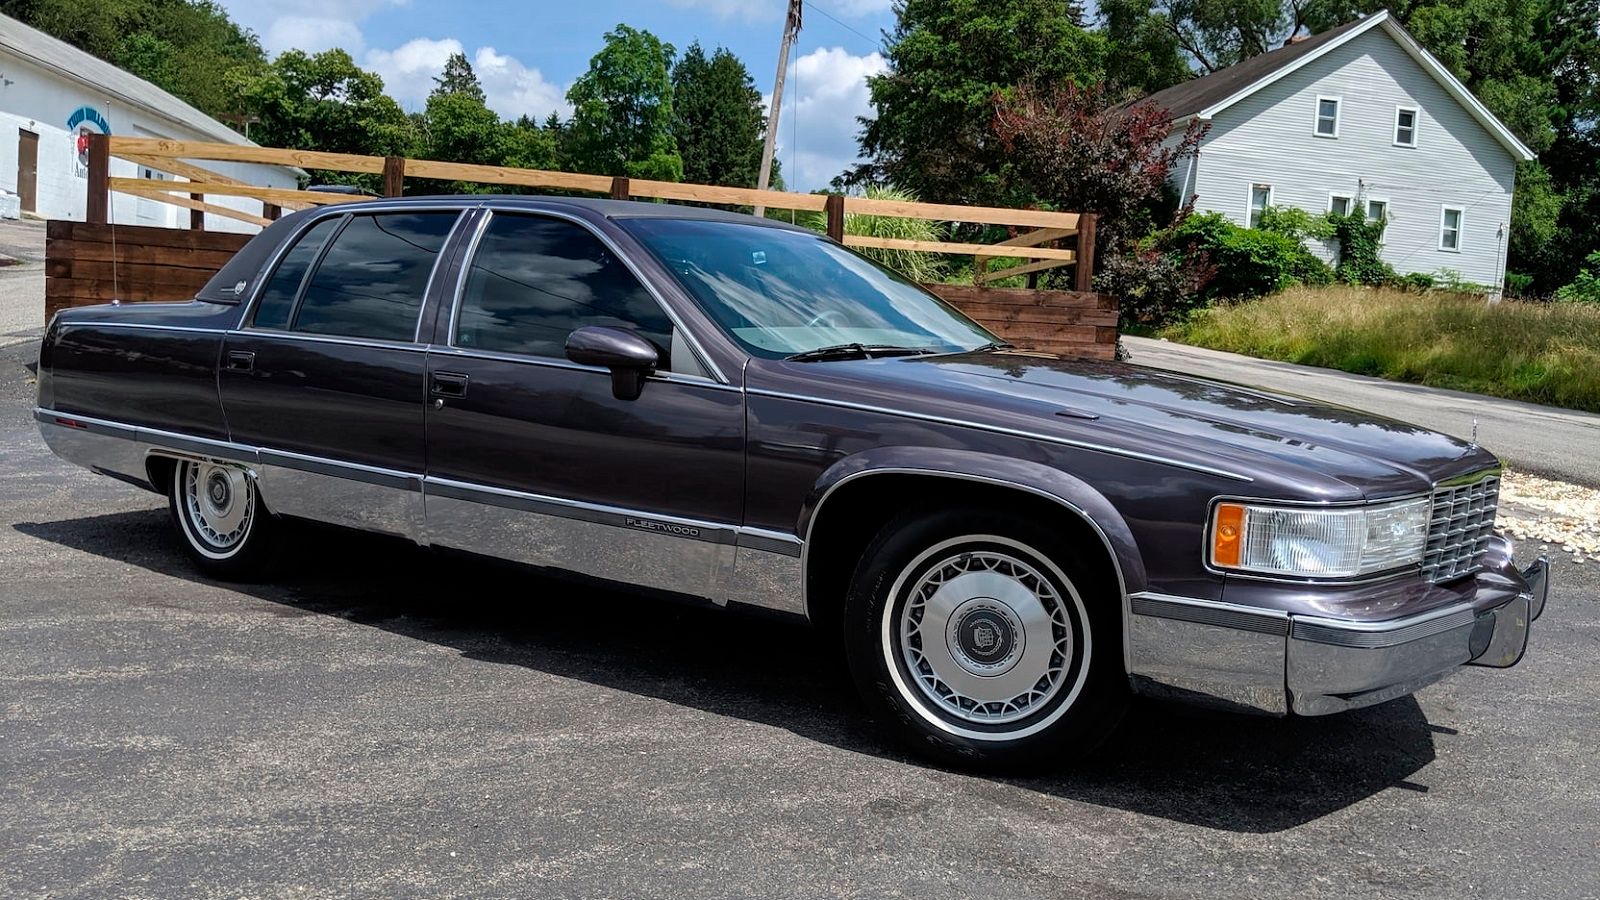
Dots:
{"x": 386, "y": 721}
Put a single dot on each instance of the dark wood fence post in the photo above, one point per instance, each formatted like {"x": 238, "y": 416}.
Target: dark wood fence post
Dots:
{"x": 619, "y": 188}
{"x": 834, "y": 208}
{"x": 271, "y": 211}
{"x": 197, "y": 218}
{"x": 1085, "y": 261}
{"x": 98, "y": 211}
{"x": 394, "y": 176}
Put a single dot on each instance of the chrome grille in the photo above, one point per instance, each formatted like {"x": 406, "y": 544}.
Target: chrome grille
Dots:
{"x": 1459, "y": 532}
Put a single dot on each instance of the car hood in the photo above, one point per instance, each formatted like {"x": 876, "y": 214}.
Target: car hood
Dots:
{"x": 1250, "y": 431}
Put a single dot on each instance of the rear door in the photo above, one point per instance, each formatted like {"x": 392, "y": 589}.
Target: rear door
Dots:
{"x": 532, "y": 458}
{"x": 326, "y": 374}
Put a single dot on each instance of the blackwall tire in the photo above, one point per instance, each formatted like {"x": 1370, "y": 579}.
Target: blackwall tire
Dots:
{"x": 985, "y": 639}
{"x": 221, "y": 520}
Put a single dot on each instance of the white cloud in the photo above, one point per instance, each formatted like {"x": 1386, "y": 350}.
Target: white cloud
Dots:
{"x": 513, "y": 89}
{"x": 510, "y": 88}
{"x": 309, "y": 25}
{"x": 312, "y": 34}
{"x": 821, "y": 101}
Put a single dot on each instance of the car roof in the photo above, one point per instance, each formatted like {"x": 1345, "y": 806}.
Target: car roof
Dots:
{"x": 611, "y": 209}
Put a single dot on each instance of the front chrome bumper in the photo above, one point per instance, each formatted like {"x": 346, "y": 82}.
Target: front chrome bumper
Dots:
{"x": 1278, "y": 662}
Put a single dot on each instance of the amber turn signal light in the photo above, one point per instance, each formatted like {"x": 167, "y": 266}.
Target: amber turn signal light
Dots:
{"x": 1227, "y": 533}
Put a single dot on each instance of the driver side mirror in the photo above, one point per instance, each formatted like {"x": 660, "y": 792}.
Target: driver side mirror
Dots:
{"x": 629, "y": 356}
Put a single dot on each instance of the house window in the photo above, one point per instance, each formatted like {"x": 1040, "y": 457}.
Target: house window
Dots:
{"x": 1450, "y": 229}
{"x": 1340, "y": 204}
{"x": 1260, "y": 199}
{"x": 1327, "y": 117}
{"x": 1377, "y": 210}
{"x": 1405, "y": 127}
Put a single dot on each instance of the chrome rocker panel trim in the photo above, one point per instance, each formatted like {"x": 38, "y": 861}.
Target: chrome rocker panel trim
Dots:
{"x": 1265, "y": 661}
{"x": 722, "y": 562}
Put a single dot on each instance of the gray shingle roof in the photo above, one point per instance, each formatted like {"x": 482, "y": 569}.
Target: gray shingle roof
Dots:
{"x": 1192, "y": 96}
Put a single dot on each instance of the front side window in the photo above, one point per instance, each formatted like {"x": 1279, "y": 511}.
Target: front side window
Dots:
{"x": 1327, "y": 116}
{"x": 1260, "y": 199}
{"x": 535, "y": 280}
{"x": 371, "y": 282}
{"x": 1377, "y": 210}
{"x": 277, "y": 298}
{"x": 1450, "y": 229}
{"x": 779, "y": 292}
{"x": 1405, "y": 127}
{"x": 1339, "y": 204}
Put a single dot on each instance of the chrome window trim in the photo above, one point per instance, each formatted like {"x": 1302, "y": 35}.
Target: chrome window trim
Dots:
{"x": 553, "y": 362}
{"x": 1111, "y": 551}
{"x": 372, "y": 343}
{"x": 706, "y": 362}
{"x": 1001, "y": 429}
{"x": 149, "y": 326}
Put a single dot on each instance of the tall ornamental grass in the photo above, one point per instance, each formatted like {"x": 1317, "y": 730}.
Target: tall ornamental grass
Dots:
{"x": 913, "y": 264}
{"x": 1539, "y": 352}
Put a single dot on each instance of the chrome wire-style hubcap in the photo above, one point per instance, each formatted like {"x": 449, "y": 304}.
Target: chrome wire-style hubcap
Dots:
{"x": 220, "y": 502}
{"x": 986, "y": 637}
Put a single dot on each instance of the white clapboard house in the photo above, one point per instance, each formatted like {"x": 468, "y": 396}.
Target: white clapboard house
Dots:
{"x": 53, "y": 95}
{"x": 1357, "y": 118}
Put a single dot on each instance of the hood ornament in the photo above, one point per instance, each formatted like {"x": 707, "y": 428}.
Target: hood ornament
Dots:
{"x": 1474, "y": 443}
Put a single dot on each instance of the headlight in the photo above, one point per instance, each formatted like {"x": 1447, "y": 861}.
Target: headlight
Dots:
{"x": 1307, "y": 542}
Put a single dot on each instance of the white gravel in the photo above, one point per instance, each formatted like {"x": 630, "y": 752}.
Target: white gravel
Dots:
{"x": 1558, "y": 516}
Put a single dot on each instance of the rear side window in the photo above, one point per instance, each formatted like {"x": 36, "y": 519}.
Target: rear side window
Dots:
{"x": 535, "y": 280}
{"x": 371, "y": 281}
{"x": 277, "y": 298}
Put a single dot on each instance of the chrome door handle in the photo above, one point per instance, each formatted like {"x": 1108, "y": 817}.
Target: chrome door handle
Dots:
{"x": 448, "y": 384}
{"x": 241, "y": 360}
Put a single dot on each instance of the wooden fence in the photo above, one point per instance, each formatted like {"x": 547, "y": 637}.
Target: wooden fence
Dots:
{"x": 170, "y": 264}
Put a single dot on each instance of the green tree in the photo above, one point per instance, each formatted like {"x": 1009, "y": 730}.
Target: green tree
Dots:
{"x": 324, "y": 102}
{"x": 459, "y": 79}
{"x": 718, "y": 120}
{"x": 622, "y": 110}
{"x": 181, "y": 46}
{"x": 1142, "y": 52}
{"x": 929, "y": 133}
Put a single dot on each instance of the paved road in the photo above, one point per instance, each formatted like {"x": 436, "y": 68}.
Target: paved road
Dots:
{"x": 1542, "y": 440}
{"x": 22, "y": 284}
{"x": 384, "y": 721}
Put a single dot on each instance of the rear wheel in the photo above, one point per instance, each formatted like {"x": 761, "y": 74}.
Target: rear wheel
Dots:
{"x": 986, "y": 639}
{"x": 218, "y": 510}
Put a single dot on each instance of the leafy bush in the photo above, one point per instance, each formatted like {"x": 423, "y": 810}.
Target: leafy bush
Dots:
{"x": 1586, "y": 287}
{"x": 1294, "y": 222}
{"x": 1450, "y": 281}
{"x": 1154, "y": 287}
{"x": 1518, "y": 284}
{"x": 1249, "y": 262}
{"x": 1421, "y": 282}
{"x": 1539, "y": 352}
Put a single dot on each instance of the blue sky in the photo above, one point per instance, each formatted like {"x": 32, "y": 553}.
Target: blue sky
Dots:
{"x": 527, "y": 54}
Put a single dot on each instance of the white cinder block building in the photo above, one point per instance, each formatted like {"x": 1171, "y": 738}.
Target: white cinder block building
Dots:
{"x": 52, "y": 93}
{"x": 1357, "y": 118}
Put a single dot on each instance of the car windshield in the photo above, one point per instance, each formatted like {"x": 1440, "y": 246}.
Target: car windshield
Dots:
{"x": 783, "y": 293}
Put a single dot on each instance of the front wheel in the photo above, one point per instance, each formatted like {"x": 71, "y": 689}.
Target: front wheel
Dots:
{"x": 986, "y": 639}
{"x": 218, "y": 510}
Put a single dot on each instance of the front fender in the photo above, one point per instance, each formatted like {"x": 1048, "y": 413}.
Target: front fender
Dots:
{"x": 1072, "y": 493}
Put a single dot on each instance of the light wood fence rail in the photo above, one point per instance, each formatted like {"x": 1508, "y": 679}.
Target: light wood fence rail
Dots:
{"x": 85, "y": 265}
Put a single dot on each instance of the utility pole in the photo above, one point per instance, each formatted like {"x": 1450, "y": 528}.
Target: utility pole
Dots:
{"x": 791, "y": 30}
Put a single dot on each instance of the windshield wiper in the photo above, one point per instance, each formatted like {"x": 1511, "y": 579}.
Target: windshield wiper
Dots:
{"x": 855, "y": 351}
{"x": 993, "y": 345}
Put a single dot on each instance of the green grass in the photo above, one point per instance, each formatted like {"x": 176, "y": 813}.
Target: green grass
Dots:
{"x": 1539, "y": 352}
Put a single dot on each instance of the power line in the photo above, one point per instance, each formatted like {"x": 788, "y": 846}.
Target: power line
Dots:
{"x": 840, "y": 22}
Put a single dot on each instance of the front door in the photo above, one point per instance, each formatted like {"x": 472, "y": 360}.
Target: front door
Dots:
{"x": 28, "y": 169}
{"x": 531, "y": 457}
{"x": 326, "y": 376}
